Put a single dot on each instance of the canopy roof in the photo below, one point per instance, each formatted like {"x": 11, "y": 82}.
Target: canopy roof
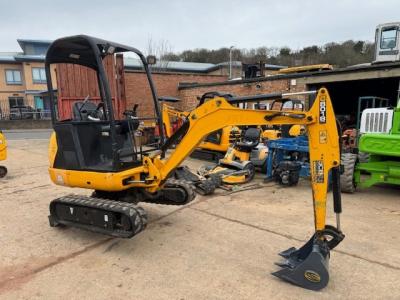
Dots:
{"x": 84, "y": 50}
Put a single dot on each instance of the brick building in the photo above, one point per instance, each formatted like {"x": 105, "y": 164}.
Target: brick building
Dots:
{"x": 345, "y": 85}
{"x": 175, "y": 78}
{"x": 244, "y": 87}
{"x": 22, "y": 76}
{"x": 167, "y": 77}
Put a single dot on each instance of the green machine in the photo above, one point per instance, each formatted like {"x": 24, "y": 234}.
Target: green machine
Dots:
{"x": 380, "y": 139}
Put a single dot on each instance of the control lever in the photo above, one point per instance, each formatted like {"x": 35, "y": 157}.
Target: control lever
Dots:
{"x": 83, "y": 104}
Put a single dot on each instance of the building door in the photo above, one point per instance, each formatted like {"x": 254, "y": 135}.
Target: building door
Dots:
{"x": 15, "y": 101}
{"x": 38, "y": 102}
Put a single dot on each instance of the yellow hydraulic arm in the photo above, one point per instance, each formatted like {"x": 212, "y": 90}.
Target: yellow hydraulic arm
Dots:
{"x": 308, "y": 265}
{"x": 321, "y": 127}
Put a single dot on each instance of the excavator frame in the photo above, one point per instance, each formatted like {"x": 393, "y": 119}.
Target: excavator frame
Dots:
{"x": 113, "y": 208}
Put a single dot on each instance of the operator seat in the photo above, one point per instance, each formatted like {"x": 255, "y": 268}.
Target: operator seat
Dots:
{"x": 250, "y": 140}
{"x": 81, "y": 110}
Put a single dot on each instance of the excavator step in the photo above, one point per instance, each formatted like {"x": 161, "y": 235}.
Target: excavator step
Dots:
{"x": 114, "y": 218}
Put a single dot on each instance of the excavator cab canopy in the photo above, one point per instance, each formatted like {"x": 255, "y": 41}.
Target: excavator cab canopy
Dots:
{"x": 92, "y": 139}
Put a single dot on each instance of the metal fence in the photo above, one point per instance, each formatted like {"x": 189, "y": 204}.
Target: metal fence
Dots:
{"x": 22, "y": 112}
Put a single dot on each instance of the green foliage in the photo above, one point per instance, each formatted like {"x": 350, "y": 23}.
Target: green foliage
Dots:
{"x": 338, "y": 54}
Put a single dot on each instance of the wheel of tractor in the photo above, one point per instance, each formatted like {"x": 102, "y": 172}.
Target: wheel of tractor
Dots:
{"x": 252, "y": 171}
{"x": 363, "y": 157}
{"x": 216, "y": 179}
{"x": 347, "y": 182}
{"x": 3, "y": 171}
{"x": 264, "y": 167}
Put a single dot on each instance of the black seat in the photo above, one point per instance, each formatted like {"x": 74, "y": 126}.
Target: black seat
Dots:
{"x": 250, "y": 140}
{"x": 81, "y": 110}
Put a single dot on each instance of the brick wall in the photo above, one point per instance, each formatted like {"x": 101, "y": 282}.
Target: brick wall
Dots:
{"x": 138, "y": 91}
{"x": 189, "y": 95}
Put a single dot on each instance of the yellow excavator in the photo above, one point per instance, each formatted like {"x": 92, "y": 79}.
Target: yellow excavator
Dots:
{"x": 173, "y": 117}
{"x": 214, "y": 145}
{"x": 94, "y": 150}
{"x": 3, "y": 154}
{"x": 249, "y": 153}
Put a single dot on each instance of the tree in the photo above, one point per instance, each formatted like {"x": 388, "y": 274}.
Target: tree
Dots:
{"x": 339, "y": 54}
{"x": 159, "y": 49}
{"x": 284, "y": 51}
{"x": 171, "y": 57}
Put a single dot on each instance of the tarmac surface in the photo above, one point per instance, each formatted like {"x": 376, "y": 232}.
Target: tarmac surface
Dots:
{"x": 31, "y": 134}
{"x": 218, "y": 247}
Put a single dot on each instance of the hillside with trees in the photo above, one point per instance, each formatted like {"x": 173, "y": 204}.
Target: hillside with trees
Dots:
{"x": 338, "y": 54}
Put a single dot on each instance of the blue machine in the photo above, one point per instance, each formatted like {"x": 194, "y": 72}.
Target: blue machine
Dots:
{"x": 288, "y": 149}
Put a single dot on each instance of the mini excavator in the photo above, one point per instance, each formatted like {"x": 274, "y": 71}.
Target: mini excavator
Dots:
{"x": 214, "y": 145}
{"x": 94, "y": 150}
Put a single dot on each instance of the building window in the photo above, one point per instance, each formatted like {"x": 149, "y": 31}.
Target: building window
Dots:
{"x": 388, "y": 38}
{"x": 38, "y": 75}
{"x": 13, "y": 77}
{"x": 15, "y": 101}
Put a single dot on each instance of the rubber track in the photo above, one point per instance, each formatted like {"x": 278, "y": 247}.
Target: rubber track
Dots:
{"x": 174, "y": 183}
{"x": 136, "y": 213}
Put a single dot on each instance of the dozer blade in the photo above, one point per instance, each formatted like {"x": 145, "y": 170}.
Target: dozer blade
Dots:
{"x": 114, "y": 218}
{"x": 308, "y": 266}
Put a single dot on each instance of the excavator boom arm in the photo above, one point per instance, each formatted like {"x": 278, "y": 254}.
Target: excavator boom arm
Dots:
{"x": 321, "y": 127}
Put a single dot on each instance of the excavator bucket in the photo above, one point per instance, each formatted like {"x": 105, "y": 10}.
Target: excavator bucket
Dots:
{"x": 307, "y": 266}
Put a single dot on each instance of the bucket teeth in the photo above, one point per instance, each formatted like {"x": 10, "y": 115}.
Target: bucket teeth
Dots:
{"x": 287, "y": 252}
{"x": 284, "y": 264}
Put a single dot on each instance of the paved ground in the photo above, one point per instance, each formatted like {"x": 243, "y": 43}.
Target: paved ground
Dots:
{"x": 31, "y": 134}
{"x": 220, "y": 247}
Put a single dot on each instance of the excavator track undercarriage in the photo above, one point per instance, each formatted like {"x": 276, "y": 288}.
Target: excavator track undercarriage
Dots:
{"x": 109, "y": 217}
{"x": 115, "y": 216}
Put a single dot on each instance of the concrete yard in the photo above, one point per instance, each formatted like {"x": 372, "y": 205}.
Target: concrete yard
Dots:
{"x": 218, "y": 247}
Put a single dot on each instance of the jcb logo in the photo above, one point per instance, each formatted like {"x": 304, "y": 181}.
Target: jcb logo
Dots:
{"x": 322, "y": 111}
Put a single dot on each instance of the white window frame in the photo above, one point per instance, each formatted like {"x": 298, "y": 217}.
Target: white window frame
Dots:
{"x": 42, "y": 75}
{"x": 13, "y": 72}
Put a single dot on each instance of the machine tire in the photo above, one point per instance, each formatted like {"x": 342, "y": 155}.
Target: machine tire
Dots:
{"x": 252, "y": 171}
{"x": 216, "y": 179}
{"x": 264, "y": 167}
{"x": 347, "y": 183}
{"x": 3, "y": 171}
{"x": 363, "y": 157}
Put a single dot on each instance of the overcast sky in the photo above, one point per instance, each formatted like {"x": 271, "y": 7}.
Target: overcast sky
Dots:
{"x": 188, "y": 24}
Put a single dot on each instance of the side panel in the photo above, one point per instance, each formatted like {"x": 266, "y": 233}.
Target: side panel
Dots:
{"x": 380, "y": 144}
